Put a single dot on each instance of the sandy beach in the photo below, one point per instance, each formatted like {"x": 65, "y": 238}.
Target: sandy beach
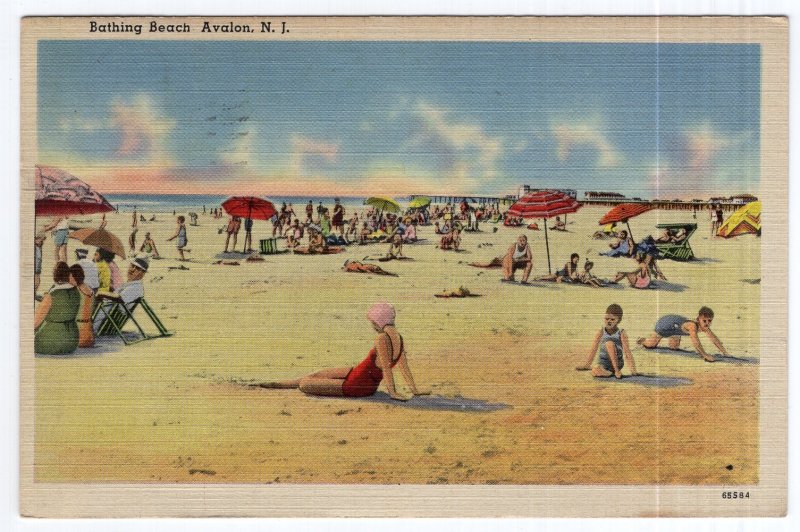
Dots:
{"x": 180, "y": 409}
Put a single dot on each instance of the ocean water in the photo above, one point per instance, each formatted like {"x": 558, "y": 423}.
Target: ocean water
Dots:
{"x": 185, "y": 203}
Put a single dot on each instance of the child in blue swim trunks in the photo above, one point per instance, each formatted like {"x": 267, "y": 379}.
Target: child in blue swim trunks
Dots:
{"x": 673, "y": 327}
{"x": 613, "y": 345}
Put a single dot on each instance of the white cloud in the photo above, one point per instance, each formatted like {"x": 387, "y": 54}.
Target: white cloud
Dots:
{"x": 304, "y": 149}
{"x": 143, "y": 129}
{"x": 467, "y": 148}
{"x": 589, "y": 134}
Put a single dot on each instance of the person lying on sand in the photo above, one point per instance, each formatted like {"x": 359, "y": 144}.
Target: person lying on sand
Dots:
{"x": 518, "y": 257}
{"x": 364, "y": 379}
{"x": 608, "y": 231}
{"x": 673, "y": 327}
{"x": 354, "y": 266}
{"x": 614, "y": 348}
{"x": 496, "y": 262}
{"x": 569, "y": 273}
{"x": 461, "y": 292}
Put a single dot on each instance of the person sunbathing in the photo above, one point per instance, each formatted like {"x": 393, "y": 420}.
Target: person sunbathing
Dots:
{"x": 639, "y": 278}
{"x": 364, "y": 379}
{"x": 609, "y": 230}
{"x": 560, "y": 225}
{"x": 451, "y": 240}
{"x": 587, "y": 277}
{"x": 396, "y": 247}
{"x": 679, "y": 236}
{"x": 363, "y": 236}
{"x": 666, "y": 236}
{"x": 623, "y": 246}
{"x": 316, "y": 242}
{"x": 569, "y": 273}
{"x": 410, "y": 234}
{"x": 354, "y": 266}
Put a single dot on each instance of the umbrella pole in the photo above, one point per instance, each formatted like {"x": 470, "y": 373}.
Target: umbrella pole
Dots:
{"x": 630, "y": 233}
{"x": 547, "y": 246}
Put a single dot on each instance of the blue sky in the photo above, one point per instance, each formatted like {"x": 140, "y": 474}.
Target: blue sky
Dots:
{"x": 350, "y": 118}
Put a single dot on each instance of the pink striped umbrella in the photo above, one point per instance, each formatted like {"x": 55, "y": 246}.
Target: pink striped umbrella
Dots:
{"x": 544, "y": 204}
{"x": 61, "y": 193}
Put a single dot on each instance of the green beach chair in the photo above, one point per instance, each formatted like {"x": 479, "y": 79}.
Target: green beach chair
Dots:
{"x": 269, "y": 246}
{"x": 680, "y": 251}
{"x": 115, "y": 315}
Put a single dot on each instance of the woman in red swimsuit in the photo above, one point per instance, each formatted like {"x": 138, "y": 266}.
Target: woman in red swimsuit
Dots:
{"x": 363, "y": 380}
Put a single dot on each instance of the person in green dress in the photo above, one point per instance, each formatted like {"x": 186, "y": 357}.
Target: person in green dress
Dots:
{"x": 56, "y": 331}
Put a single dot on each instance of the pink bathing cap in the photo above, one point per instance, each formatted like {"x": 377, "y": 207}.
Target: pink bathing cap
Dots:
{"x": 381, "y": 314}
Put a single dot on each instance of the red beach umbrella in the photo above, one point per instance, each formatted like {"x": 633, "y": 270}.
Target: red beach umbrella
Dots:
{"x": 60, "y": 193}
{"x": 249, "y": 207}
{"x": 544, "y": 204}
{"x": 624, "y": 212}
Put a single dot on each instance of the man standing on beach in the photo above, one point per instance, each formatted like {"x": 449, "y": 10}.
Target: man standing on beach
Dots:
{"x": 248, "y": 235}
{"x": 338, "y": 217}
{"x": 233, "y": 231}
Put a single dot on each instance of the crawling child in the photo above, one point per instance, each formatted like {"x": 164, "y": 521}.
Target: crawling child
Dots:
{"x": 614, "y": 349}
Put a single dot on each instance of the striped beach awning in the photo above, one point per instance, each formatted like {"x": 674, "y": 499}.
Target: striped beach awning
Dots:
{"x": 544, "y": 204}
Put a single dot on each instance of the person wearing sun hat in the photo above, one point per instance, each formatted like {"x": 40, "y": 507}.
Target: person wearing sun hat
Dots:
{"x": 131, "y": 291}
{"x": 363, "y": 380}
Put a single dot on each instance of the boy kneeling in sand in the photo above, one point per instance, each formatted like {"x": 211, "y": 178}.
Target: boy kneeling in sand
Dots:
{"x": 614, "y": 348}
{"x": 673, "y": 327}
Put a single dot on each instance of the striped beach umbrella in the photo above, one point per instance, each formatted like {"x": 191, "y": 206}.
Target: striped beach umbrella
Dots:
{"x": 59, "y": 193}
{"x": 544, "y": 204}
{"x": 624, "y": 212}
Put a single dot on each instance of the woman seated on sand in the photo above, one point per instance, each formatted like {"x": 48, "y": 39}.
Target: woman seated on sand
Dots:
{"x": 568, "y": 273}
{"x": 639, "y": 278}
{"x": 294, "y": 234}
{"x": 54, "y": 323}
{"x": 623, "y": 246}
{"x": 410, "y": 234}
{"x": 451, "y": 240}
{"x": 149, "y": 246}
{"x": 560, "y": 225}
{"x": 363, "y": 380}
{"x": 396, "y": 247}
{"x": 587, "y": 277}
{"x": 316, "y": 242}
{"x": 363, "y": 236}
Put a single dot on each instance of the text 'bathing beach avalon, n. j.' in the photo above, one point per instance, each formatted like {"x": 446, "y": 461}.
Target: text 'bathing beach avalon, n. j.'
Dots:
{"x": 207, "y": 27}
